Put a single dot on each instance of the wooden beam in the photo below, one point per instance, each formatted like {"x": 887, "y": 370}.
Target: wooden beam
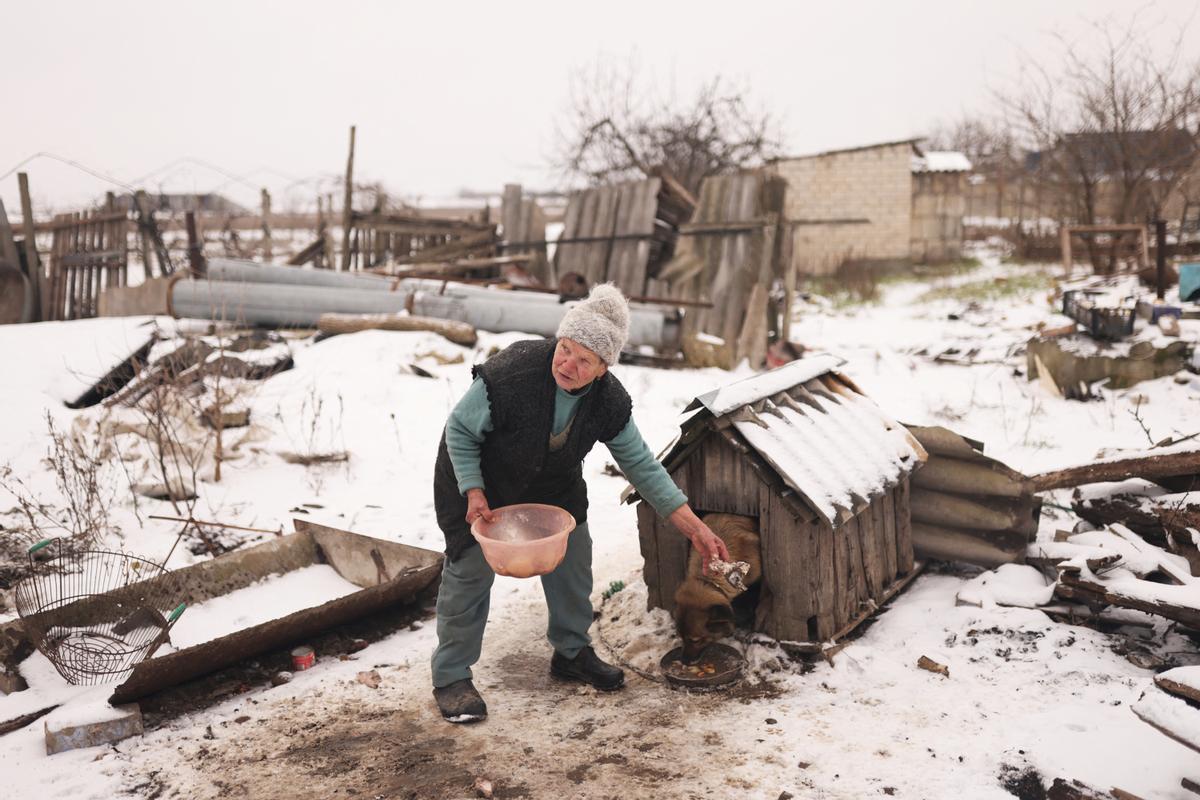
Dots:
{"x": 32, "y": 264}
{"x": 1149, "y": 466}
{"x": 8, "y": 245}
{"x": 348, "y": 205}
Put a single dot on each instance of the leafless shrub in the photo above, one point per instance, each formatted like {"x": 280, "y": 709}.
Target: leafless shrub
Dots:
{"x": 1114, "y": 132}
{"x": 617, "y": 129}
{"x": 86, "y": 489}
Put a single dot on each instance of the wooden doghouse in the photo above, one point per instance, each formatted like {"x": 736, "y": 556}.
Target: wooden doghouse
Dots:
{"x": 825, "y": 472}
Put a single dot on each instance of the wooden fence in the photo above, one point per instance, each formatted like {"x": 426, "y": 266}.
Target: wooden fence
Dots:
{"x": 89, "y": 253}
{"x": 378, "y": 238}
{"x": 727, "y": 258}
{"x": 622, "y": 233}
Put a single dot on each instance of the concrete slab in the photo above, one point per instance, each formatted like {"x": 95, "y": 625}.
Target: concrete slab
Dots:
{"x": 91, "y": 726}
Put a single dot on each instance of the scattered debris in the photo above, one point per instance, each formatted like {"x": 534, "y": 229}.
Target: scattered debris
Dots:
{"x": 457, "y": 332}
{"x": 370, "y": 678}
{"x": 926, "y": 663}
{"x": 484, "y": 787}
{"x": 102, "y": 724}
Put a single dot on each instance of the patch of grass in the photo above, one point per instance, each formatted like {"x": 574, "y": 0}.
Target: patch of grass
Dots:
{"x": 861, "y": 284}
{"x": 992, "y": 288}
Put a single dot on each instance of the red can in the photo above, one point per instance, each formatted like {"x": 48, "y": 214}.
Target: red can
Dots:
{"x": 302, "y": 658}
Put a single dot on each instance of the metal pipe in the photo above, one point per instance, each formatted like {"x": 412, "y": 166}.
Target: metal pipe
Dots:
{"x": 289, "y": 305}
{"x": 233, "y": 269}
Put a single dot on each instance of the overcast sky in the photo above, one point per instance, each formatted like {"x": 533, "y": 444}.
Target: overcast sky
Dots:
{"x": 449, "y": 96}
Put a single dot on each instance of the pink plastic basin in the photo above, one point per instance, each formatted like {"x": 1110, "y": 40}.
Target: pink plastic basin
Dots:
{"x": 524, "y": 540}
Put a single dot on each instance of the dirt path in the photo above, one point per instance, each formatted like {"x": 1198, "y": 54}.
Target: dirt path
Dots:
{"x": 544, "y": 738}
{"x": 336, "y": 738}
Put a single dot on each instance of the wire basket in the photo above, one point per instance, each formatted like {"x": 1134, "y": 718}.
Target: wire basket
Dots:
{"x": 96, "y": 613}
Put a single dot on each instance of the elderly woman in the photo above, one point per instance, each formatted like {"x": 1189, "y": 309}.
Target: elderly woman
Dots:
{"x": 519, "y": 435}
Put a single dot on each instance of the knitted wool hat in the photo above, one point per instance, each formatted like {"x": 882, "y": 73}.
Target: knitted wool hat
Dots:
{"x": 600, "y": 323}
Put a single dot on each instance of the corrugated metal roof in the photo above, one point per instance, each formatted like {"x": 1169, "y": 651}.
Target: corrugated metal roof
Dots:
{"x": 941, "y": 161}
{"x": 756, "y": 387}
{"x": 830, "y": 443}
{"x": 825, "y": 439}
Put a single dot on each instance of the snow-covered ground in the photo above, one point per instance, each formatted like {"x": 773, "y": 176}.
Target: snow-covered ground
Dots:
{"x": 1023, "y": 691}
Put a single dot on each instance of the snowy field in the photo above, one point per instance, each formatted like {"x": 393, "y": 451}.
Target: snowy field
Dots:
{"x": 1023, "y": 693}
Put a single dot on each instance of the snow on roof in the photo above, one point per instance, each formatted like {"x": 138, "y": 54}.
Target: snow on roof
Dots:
{"x": 829, "y": 443}
{"x": 941, "y": 161}
{"x": 725, "y": 399}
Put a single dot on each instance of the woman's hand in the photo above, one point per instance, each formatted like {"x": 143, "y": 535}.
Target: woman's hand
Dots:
{"x": 707, "y": 543}
{"x": 477, "y": 506}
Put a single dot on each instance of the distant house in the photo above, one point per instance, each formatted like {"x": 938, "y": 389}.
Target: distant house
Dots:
{"x": 887, "y": 203}
{"x": 826, "y": 474}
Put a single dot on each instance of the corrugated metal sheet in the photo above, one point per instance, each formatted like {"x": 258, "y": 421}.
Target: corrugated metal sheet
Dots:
{"x": 830, "y": 443}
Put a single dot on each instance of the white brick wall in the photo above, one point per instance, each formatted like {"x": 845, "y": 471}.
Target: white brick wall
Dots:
{"x": 873, "y": 183}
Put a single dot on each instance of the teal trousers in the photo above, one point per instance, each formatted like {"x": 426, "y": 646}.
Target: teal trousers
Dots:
{"x": 465, "y": 597}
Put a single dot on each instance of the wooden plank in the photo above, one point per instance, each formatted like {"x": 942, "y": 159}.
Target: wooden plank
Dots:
{"x": 904, "y": 542}
{"x": 648, "y": 542}
{"x": 33, "y": 265}
{"x": 788, "y": 568}
{"x": 887, "y": 513}
{"x": 348, "y": 205}
{"x": 672, "y": 547}
{"x": 827, "y": 594}
{"x": 870, "y": 526}
{"x": 856, "y": 534}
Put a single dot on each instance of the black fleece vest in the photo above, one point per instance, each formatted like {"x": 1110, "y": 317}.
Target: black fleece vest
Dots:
{"x": 517, "y": 461}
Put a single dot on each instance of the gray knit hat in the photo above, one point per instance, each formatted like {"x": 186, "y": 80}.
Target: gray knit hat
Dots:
{"x": 600, "y": 322}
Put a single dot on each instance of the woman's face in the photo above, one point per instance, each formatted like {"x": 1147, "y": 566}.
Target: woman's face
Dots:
{"x": 574, "y": 366}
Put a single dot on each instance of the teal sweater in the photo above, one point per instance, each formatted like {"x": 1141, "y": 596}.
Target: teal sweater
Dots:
{"x": 471, "y": 420}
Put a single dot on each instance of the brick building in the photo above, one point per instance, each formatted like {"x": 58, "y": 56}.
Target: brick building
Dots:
{"x": 881, "y": 203}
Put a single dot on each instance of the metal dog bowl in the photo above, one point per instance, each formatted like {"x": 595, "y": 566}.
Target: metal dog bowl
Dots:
{"x": 718, "y": 665}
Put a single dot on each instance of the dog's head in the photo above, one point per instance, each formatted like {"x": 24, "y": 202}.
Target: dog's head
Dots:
{"x": 699, "y": 626}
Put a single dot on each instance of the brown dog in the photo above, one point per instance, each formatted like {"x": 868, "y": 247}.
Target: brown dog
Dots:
{"x": 703, "y": 610}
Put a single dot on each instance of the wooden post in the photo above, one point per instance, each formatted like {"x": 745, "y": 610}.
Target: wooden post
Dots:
{"x": 195, "y": 249}
{"x": 1064, "y": 233}
{"x": 266, "y": 224}
{"x": 141, "y": 204}
{"x": 8, "y": 245}
{"x": 1160, "y": 256}
{"x": 319, "y": 260}
{"x": 348, "y": 205}
{"x": 32, "y": 264}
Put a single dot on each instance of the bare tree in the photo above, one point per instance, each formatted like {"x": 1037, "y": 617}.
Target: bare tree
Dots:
{"x": 616, "y": 129}
{"x": 1114, "y": 132}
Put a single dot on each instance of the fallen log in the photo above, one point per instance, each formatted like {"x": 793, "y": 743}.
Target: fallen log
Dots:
{"x": 457, "y": 332}
{"x": 1149, "y": 466}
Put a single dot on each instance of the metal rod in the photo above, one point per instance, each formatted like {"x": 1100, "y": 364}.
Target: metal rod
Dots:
{"x": 192, "y": 521}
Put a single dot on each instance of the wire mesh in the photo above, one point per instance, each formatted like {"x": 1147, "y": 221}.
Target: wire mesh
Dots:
{"x": 96, "y": 613}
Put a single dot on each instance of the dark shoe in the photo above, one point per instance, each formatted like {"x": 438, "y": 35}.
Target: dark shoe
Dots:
{"x": 459, "y": 702}
{"x": 587, "y": 667}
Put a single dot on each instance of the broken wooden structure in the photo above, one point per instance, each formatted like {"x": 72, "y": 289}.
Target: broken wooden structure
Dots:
{"x": 1132, "y": 574}
{"x": 622, "y": 233}
{"x": 968, "y": 507}
{"x": 523, "y": 221}
{"x": 727, "y": 258}
{"x": 825, "y": 472}
{"x": 387, "y": 238}
{"x": 89, "y": 253}
{"x": 389, "y": 573}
